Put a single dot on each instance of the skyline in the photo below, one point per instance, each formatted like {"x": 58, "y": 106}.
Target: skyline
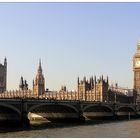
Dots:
{"x": 72, "y": 39}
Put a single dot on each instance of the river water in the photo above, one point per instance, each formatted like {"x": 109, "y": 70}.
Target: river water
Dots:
{"x": 90, "y": 129}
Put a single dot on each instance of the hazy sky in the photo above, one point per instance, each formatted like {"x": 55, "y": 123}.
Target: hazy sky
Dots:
{"x": 72, "y": 39}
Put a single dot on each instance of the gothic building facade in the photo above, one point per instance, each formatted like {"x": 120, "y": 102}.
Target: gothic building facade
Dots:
{"x": 3, "y": 76}
{"x": 93, "y": 89}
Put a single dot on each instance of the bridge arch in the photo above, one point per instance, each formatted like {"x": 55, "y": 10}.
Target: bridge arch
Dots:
{"x": 12, "y": 108}
{"x": 96, "y": 105}
{"x": 124, "y": 111}
{"x": 125, "y": 108}
{"x": 52, "y": 104}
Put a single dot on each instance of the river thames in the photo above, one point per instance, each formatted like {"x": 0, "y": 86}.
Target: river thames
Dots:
{"x": 90, "y": 129}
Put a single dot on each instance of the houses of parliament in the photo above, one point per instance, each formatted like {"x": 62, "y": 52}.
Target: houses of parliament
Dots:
{"x": 92, "y": 89}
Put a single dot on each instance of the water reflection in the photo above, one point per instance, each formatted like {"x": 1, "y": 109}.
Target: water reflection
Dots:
{"x": 89, "y": 129}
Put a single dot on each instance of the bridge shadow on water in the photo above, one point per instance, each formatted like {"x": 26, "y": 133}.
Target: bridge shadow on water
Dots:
{"x": 40, "y": 125}
{"x": 68, "y": 124}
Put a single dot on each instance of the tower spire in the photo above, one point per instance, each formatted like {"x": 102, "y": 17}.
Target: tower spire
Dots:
{"x": 40, "y": 62}
{"x": 39, "y": 83}
{"x": 107, "y": 80}
{"x": 78, "y": 80}
{"x": 39, "y": 68}
{"x": 21, "y": 84}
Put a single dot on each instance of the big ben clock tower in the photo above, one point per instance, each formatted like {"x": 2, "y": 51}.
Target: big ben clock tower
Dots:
{"x": 136, "y": 69}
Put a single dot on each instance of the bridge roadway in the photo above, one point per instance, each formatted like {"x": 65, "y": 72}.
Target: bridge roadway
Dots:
{"x": 19, "y": 109}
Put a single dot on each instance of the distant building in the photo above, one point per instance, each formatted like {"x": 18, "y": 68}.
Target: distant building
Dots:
{"x": 23, "y": 84}
{"x": 3, "y": 76}
{"x": 136, "y": 70}
{"x": 99, "y": 90}
{"x": 120, "y": 94}
{"x": 39, "y": 82}
{"x": 93, "y": 90}
{"x": 63, "y": 88}
{"x": 24, "y": 92}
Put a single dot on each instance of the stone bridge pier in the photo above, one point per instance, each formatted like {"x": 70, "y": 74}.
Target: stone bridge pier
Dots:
{"x": 10, "y": 111}
{"x": 25, "y": 122}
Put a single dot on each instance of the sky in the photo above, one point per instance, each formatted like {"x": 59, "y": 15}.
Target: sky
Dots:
{"x": 72, "y": 39}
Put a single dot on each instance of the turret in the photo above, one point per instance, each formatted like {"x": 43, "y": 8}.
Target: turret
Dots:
{"x": 116, "y": 85}
{"x": 78, "y": 80}
{"x": 84, "y": 80}
{"x": 21, "y": 84}
{"x": 25, "y": 85}
{"x": 107, "y": 80}
{"x": 5, "y": 73}
{"x": 5, "y": 62}
{"x": 91, "y": 81}
{"x": 102, "y": 78}
{"x": 95, "y": 79}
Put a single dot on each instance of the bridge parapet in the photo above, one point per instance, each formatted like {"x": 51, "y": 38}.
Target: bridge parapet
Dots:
{"x": 17, "y": 94}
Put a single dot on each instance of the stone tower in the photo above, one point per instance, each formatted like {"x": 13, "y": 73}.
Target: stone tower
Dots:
{"x": 23, "y": 84}
{"x": 39, "y": 83}
{"x": 98, "y": 88}
{"x": 3, "y": 76}
{"x": 136, "y": 69}
{"x": 101, "y": 89}
{"x": 83, "y": 86}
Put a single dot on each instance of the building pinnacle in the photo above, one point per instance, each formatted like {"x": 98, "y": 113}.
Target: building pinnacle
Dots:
{"x": 39, "y": 68}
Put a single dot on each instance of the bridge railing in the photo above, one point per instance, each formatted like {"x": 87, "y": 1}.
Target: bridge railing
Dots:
{"x": 17, "y": 94}
{"x": 50, "y": 95}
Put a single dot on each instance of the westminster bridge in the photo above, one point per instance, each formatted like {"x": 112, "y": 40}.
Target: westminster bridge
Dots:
{"x": 19, "y": 109}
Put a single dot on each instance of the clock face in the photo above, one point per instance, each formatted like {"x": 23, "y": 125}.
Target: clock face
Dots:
{"x": 137, "y": 64}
